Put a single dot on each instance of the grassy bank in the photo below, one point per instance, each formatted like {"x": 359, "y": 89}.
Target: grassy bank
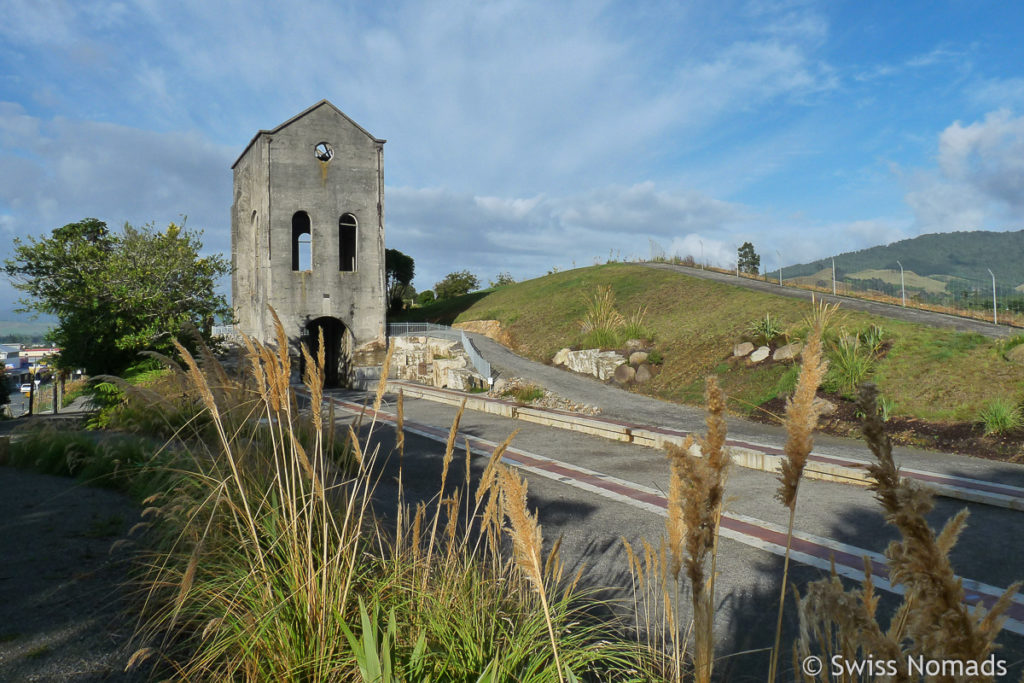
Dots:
{"x": 924, "y": 372}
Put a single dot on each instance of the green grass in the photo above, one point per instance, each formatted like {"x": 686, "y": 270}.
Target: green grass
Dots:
{"x": 1001, "y": 416}
{"x": 930, "y": 373}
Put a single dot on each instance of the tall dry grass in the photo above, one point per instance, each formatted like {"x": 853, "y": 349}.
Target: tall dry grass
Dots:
{"x": 932, "y": 620}
{"x": 267, "y": 561}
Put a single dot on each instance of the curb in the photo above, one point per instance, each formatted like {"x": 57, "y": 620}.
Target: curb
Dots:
{"x": 747, "y": 455}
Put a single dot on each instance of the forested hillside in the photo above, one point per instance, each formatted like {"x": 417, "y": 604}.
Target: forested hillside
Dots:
{"x": 965, "y": 255}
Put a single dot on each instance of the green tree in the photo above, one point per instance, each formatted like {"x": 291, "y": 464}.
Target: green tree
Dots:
{"x": 748, "y": 260}
{"x": 425, "y": 297}
{"x": 456, "y": 284}
{"x": 115, "y": 295}
{"x": 398, "y": 272}
{"x": 503, "y": 279}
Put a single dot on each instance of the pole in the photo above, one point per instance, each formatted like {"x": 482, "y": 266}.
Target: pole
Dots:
{"x": 903, "y": 286}
{"x": 995, "y": 316}
{"x": 780, "y": 266}
{"x": 701, "y": 254}
{"x": 833, "y": 277}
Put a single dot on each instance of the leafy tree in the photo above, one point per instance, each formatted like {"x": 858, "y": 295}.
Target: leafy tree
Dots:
{"x": 425, "y": 297}
{"x": 115, "y": 295}
{"x": 456, "y": 284}
{"x": 503, "y": 279}
{"x": 398, "y": 271}
{"x": 748, "y": 260}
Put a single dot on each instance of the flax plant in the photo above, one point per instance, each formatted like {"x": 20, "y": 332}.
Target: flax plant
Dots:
{"x": 802, "y": 413}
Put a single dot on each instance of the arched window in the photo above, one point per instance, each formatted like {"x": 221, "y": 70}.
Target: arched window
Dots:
{"x": 302, "y": 242}
{"x": 347, "y": 228}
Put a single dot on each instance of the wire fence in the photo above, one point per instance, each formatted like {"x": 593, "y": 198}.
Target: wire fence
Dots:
{"x": 955, "y": 295}
{"x": 479, "y": 363}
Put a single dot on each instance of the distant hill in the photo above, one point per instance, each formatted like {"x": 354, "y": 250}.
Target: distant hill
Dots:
{"x": 939, "y": 259}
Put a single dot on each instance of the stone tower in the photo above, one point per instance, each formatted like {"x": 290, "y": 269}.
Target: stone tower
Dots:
{"x": 307, "y": 235}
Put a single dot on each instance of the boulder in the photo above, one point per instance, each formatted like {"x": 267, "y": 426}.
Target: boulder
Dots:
{"x": 583, "y": 361}
{"x": 1016, "y": 354}
{"x": 624, "y": 374}
{"x": 825, "y": 407}
{"x": 441, "y": 347}
{"x": 600, "y": 364}
{"x": 788, "y": 352}
{"x": 637, "y": 357}
{"x": 740, "y": 350}
{"x": 441, "y": 366}
{"x": 760, "y": 354}
{"x": 560, "y": 357}
{"x": 607, "y": 362}
{"x": 643, "y": 374}
{"x": 635, "y": 345}
{"x": 464, "y": 379}
{"x": 500, "y": 385}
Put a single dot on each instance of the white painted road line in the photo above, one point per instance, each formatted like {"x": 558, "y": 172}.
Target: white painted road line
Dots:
{"x": 808, "y": 549}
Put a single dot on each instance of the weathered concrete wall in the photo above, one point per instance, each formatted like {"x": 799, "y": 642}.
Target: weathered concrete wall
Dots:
{"x": 279, "y": 175}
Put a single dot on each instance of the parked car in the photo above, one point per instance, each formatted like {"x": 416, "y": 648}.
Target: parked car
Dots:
{"x": 26, "y": 388}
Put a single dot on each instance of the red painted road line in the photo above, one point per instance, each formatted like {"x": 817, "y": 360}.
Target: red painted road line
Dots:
{"x": 807, "y": 549}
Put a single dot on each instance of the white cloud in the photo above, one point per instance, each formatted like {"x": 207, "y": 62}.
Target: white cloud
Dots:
{"x": 979, "y": 182}
{"x": 446, "y": 231}
{"x": 56, "y": 171}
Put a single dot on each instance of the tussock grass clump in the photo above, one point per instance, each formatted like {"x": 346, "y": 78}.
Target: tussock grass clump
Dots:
{"x": 269, "y": 563}
{"x": 1000, "y": 416}
{"x": 604, "y": 327}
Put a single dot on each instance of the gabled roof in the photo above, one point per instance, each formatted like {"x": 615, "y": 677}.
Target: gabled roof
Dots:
{"x": 298, "y": 116}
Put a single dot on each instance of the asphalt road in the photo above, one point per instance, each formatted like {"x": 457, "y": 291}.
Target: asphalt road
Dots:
{"x": 592, "y": 526}
{"x": 908, "y": 314}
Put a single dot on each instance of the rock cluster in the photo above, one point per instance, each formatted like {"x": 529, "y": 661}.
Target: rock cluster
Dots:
{"x": 434, "y": 361}
{"x": 756, "y": 355}
{"x": 607, "y": 365}
{"x": 505, "y": 388}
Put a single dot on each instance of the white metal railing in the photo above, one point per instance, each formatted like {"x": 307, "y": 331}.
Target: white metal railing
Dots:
{"x": 479, "y": 363}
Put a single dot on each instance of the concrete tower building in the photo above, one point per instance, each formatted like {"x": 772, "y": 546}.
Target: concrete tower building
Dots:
{"x": 307, "y": 235}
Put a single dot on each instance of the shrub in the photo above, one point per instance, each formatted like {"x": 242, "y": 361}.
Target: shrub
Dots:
{"x": 1001, "y": 416}
{"x": 524, "y": 393}
{"x": 765, "y": 330}
{"x": 654, "y": 357}
{"x": 850, "y": 364}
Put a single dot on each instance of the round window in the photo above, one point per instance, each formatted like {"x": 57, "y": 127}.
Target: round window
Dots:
{"x": 323, "y": 152}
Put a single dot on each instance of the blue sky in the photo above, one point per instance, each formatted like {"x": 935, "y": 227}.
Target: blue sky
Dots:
{"x": 527, "y": 135}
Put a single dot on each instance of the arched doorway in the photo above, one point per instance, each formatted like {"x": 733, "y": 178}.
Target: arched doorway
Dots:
{"x": 337, "y": 349}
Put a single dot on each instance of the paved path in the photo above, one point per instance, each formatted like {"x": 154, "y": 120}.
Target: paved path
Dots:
{"x": 592, "y": 492}
{"x": 914, "y": 315}
{"x": 624, "y": 405}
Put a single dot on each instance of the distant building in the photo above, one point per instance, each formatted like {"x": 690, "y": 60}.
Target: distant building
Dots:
{"x": 307, "y": 236}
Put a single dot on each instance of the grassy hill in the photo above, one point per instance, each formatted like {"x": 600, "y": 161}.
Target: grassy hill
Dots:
{"x": 957, "y": 255}
{"x": 925, "y": 373}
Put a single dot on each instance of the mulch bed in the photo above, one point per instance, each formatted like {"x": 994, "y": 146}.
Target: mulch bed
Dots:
{"x": 967, "y": 438}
